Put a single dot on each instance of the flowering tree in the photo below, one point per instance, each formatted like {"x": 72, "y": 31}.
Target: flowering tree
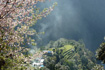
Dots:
{"x": 98, "y": 67}
{"x": 16, "y": 18}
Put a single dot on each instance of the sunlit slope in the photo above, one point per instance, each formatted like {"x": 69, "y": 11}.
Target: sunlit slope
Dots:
{"x": 70, "y": 53}
{"x": 67, "y": 47}
{"x": 64, "y": 48}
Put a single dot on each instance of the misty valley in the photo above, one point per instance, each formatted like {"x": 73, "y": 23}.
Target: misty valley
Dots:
{"x": 52, "y": 35}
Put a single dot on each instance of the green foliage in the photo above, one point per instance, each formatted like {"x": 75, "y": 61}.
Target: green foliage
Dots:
{"x": 100, "y": 53}
{"x": 16, "y": 31}
{"x": 69, "y": 55}
{"x": 67, "y": 47}
{"x": 98, "y": 67}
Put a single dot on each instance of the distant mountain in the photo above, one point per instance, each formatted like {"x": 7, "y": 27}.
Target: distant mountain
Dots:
{"x": 70, "y": 55}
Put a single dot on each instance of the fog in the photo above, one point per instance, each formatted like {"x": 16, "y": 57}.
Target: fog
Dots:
{"x": 74, "y": 19}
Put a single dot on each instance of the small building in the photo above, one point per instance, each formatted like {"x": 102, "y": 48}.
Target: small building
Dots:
{"x": 42, "y": 60}
{"x": 49, "y": 53}
{"x": 38, "y": 63}
{"x": 41, "y": 66}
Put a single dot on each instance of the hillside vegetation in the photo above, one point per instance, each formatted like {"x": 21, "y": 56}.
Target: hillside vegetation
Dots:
{"x": 70, "y": 55}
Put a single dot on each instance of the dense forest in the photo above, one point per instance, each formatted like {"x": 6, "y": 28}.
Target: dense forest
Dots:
{"x": 70, "y": 55}
{"x": 21, "y": 45}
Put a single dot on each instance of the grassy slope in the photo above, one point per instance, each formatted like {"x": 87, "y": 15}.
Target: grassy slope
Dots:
{"x": 67, "y": 51}
{"x": 67, "y": 47}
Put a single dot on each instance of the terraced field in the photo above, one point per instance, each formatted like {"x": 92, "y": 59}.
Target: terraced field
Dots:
{"x": 67, "y": 47}
{"x": 68, "y": 51}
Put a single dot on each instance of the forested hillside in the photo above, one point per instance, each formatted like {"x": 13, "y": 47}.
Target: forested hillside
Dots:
{"x": 70, "y": 55}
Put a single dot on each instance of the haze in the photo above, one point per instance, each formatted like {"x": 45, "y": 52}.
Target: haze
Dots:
{"x": 75, "y": 19}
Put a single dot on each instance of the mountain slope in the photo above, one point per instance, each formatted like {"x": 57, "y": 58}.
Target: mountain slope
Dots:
{"x": 69, "y": 55}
